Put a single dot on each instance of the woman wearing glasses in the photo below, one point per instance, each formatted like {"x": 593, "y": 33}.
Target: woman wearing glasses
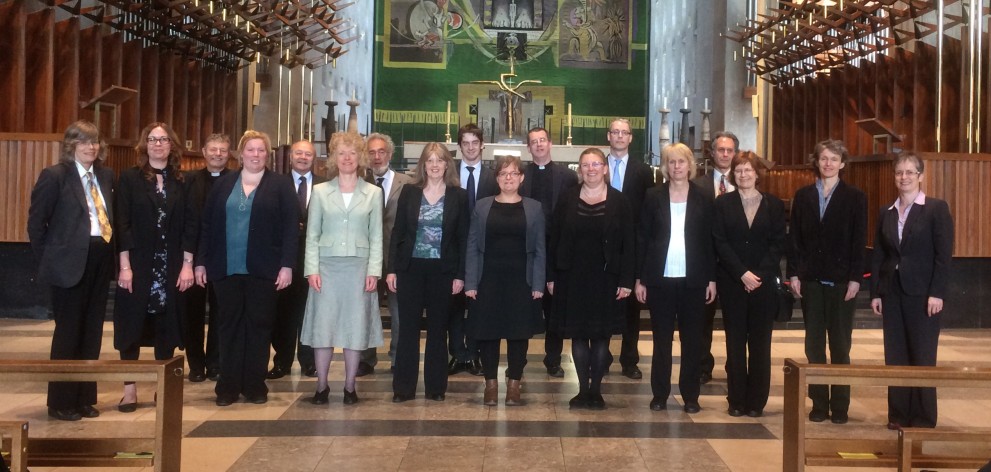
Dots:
{"x": 156, "y": 239}
{"x": 504, "y": 274}
{"x": 911, "y": 265}
{"x": 592, "y": 259}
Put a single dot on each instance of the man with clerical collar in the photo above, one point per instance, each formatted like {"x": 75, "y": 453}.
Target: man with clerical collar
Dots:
{"x": 380, "y": 150}
{"x": 291, "y": 302}
{"x": 204, "y": 360}
{"x": 632, "y": 177}
{"x": 479, "y": 181}
{"x": 716, "y": 183}
{"x": 544, "y": 181}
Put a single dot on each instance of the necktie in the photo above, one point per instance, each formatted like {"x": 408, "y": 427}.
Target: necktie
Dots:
{"x": 301, "y": 191}
{"x": 722, "y": 184}
{"x": 379, "y": 180}
{"x": 471, "y": 188}
{"x": 616, "y": 182}
{"x": 101, "y": 212}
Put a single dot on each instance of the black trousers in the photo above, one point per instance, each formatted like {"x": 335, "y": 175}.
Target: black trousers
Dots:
{"x": 288, "y": 324}
{"x": 553, "y": 344}
{"x": 488, "y": 353}
{"x": 199, "y": 356}
{"x": 424, "y": 286}
{"x": 247, "y": 307}
{"x": 826, "y": 314}
{"x": 460, "y": 346}
{"x": 672, "y": 302}
{"x": 708, "y": 361}
{"x": 629, "y": 354}
{"x": 911, "y": 337}
{"x": 153, "y": 331}
{"x": 748, "y": 320}
{"x": 79, "y": 312}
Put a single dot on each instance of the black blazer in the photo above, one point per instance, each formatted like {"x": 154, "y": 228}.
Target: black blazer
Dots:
{"x": 831, "y": 249}
{"x": 654, "y": 236}
{"x": 487, "y": 185}
{"x": 923, "y": 256}
{"x": 58, "y": 221}
{"x": 756, "y": 248}
{"x": 618, "y": 245}
{"x": 562, "y": 178}
{"x": 637, "y": 179}
{"x": 454, "y": 239}
{"x": 273, "y": 237}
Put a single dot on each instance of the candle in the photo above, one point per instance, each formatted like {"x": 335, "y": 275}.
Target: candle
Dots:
{"x": 686, "y": 103}
{"x": 569, "y": 116}
{"x": 665, "y": 102}
{"x": 448, "y": 115}
{"x": 354, "y": 93}
{"x": 706, "y": 107}
{"x": 331, "y": 94}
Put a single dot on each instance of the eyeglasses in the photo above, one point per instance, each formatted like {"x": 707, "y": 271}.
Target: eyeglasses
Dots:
{"x": 906, "y": 173}
{"x": 505, "y": 174}
{"x": 161, "y": 140}
{"x": 378, "y": 152}
{"x": 538, "y": 141}
{"x": 619, "y": 132}
{"x": 592, "y": 165}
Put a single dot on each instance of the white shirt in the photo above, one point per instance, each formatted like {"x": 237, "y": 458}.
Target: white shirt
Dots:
{"x": 675, "y": 265}
{"x": 387, "y": 179}
{"x": 94, "y": 220}
{"x": 716, "y": 176}
{"x": 309, "y": 183}
{"x": 477, "y": 172}
{"x": 611, "y": 161}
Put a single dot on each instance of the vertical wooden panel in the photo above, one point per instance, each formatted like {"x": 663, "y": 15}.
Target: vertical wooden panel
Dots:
{"x": 953, "y": 97}
{"x": 40, "y": 69}
{"x": 130, "y": 121}
{"x": 66, "y": 90}
{"x": 901, "y": 112}
{"x": 110, "y": 75}
{"x": 90, "y": 56}
{"x": 180, "y": 99}
{"x": 166, "y": 86}
{"x": 12, "y": 66}
{"x": 148, "y": 93}
{"x": 231, "y": 126}
{"x": 194, "y": 126}
{"x": 21, "y": 161}
{"x": 836, "y": 102}
{"x": 923, "y": 98}
{"x": 207, "y": 115}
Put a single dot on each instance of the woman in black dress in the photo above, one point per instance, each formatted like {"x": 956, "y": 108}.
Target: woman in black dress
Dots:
{"x": 504, "y": 274}
{"x": 156, "y": 237}
{"x": 749, "y": 232}
{"x": 592, "y": 265}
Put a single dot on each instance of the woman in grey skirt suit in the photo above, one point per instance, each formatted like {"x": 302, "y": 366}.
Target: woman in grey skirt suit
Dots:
{"x": 343, "y": 262}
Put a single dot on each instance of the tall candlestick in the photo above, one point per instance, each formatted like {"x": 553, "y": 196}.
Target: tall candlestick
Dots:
{"x": 448, "y": 115}
{"x": 569, "y": 118}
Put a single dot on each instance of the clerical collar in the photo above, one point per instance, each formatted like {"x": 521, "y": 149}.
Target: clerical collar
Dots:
{"x": 215, "y": 174}
{"x": 158, "y": 171}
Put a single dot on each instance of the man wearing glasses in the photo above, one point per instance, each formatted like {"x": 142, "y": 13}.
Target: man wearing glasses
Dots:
{"x": 544, "y": 180}
{"x": 632, "y": 177}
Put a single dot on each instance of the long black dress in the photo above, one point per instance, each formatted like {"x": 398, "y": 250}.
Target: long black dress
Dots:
{"x": 504, "y": 307}
{"x": 585, "y": 295}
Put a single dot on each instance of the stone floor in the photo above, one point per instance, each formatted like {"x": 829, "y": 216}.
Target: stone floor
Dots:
{"x": 290, "y": 434}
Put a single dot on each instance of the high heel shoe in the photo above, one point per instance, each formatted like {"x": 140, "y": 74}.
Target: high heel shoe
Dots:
{"x": 350, "y": 398}
{"x": 320, "y": 398}
{"x": 127, "y": 407}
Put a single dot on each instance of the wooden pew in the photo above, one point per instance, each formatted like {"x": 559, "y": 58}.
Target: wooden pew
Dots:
{"x": 909, "y": 448}
{"x": 17, "y": 444}
{"x": 165, "y": 446}
{"x": 799, "y": 451}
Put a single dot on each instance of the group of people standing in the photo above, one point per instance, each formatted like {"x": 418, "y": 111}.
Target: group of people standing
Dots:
{"x": 487, "y": 254}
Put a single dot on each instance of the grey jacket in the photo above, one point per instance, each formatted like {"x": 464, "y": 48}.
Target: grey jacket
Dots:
{"x": 536, "y": 254}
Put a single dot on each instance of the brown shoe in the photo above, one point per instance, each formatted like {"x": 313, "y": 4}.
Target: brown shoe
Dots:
{"x": 513, "y": 393}
{"x": 491, "y": 392}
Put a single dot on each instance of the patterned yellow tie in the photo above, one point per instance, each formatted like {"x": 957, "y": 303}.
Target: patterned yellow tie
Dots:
{"x": 101, "y": 212}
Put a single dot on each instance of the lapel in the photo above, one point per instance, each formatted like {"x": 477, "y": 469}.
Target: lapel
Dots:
{"x": 889, "y": 228}
{"x": 914, "y": 215}
{"x": 361, "y": 190}
{"x": 397, "y": 186}
{"x": 172, "y": 194}
{"x": 835, "y": 200}
{"x": 333, "y": 195}
{"x": 665, "y": 210}
{"x": 75, "y": 182}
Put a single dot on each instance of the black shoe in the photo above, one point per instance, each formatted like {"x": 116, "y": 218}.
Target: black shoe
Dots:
{"x": 437, "y": 397}
{"x": 578, "y": 402}
{"x": 310, "y": 371}
{"x": 224, "y": 400}
{"x": 400, "y": 397}
{"x": 127, "y": 407}
{"x": 197, "y": 376}
{"x": 818, "y": 416}
{"x": 87, "y": 411}
{"x": 755, "y": 413}
{"x": 705, "y": 378}
{"x": 692, "y": 408}
{"x": 735, "y": 412}
{"x": 658, "y": 404}
{"x": 555, "y": 371}
{"x": 894, "y": 426}
{"x": 213, "y": 374}
{"x": 350, "y": 398}
{"x": 596, "y": 402}
{"x": 454, "y": 367}
{"x": 632, "y": 373}
{"x": 258, "y": 400}
{"x": 320, "y": 398}
{"x": 64, "y": 415}
{"x": 475, "y": 368}
{"x": 276, "y": 373}
{"x": 839, "y": 417}
{"x": 364, "y": 369}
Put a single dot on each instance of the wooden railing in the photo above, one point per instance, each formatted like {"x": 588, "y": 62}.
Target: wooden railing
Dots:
{"x": 799, "y": 451}
{"x": 17, "y": 431}
{"x": 102, "y": 452}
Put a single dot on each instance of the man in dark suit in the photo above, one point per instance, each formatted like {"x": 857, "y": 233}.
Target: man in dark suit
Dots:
{"x": 716, "y": 183}
{"x": 204, "y": 363}
{"x": 544, "y": 181}
{"x": 632, "y": 177}
{"x": 70, "y": 228}
{"x": 380, "y": 149}
{"x": 479, "y": 181}
{"x": 292, "y": 301}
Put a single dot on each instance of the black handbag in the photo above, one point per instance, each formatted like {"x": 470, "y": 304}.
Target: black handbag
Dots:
{"x": 786, "y": 301}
